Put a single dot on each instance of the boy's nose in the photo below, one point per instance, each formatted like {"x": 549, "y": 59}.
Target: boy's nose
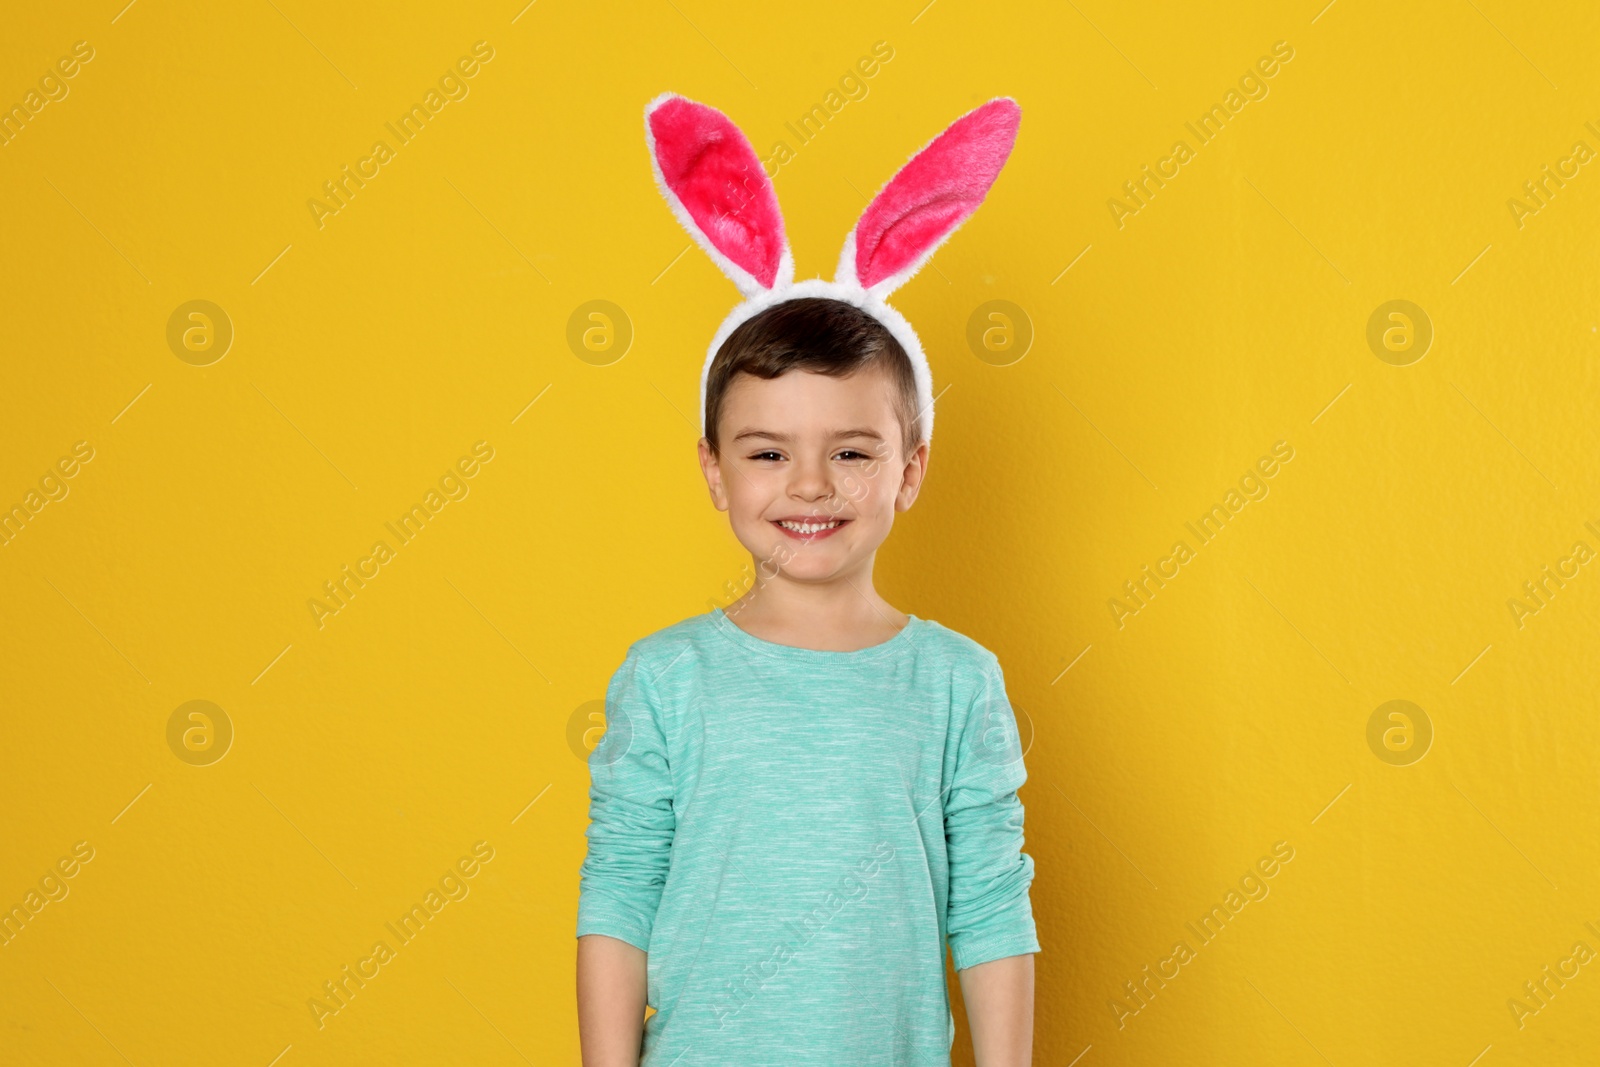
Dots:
{"x": 811, "y": 481}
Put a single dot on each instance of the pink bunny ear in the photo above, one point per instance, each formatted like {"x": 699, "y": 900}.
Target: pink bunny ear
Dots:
{"x": 717, "y": 188}
{"x": 929, "y": 198}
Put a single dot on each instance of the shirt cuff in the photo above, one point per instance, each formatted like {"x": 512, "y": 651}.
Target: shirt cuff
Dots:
{"x": 981, "y": 946}
{"x": 602, "y": 917}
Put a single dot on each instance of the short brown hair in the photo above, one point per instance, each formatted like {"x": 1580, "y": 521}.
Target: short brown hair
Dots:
{"x": 818, "y": 334}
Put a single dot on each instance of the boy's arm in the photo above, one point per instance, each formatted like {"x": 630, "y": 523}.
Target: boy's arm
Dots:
{"x": 611, "y": 980}
{"x": 631, "y": 828}
{"x": 999, "y": 1000}
{"x": 988, "y": 916}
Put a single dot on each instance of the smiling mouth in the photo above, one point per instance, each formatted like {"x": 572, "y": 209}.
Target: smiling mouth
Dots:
{"x": 810, "y": 530}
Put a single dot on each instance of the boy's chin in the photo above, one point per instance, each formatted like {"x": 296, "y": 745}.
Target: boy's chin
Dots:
{"x": 814, "y": 562}
{"x": 812, "y": 570}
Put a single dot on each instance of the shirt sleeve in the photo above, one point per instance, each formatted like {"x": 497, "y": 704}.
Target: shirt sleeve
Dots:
{"x": 988, "y": 914}
{"x": 631, "y": 818}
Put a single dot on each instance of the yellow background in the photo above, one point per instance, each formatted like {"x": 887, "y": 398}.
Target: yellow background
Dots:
{"x": 372, "y": 352}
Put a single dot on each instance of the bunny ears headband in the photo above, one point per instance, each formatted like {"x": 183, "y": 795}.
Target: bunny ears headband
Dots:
{"x": 718, "y": 189}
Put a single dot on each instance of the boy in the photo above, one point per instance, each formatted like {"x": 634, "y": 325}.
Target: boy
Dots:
{"x": 793, "y": 811}
{"x": 800, "y": 800}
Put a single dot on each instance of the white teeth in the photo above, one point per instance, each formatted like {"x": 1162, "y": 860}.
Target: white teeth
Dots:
{"x": 808, "y": 527}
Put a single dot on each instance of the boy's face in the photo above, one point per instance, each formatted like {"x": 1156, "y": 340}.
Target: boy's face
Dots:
{"x": 806, "y": 447}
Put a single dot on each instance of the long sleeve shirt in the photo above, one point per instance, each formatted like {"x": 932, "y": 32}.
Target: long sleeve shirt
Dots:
{"x": 793, "y": 836}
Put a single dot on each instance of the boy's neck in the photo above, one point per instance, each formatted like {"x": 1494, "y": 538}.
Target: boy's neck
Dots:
{"x": 841, "y": 615}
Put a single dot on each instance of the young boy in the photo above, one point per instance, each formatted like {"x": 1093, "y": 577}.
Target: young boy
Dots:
{"x": 800, "y": 799}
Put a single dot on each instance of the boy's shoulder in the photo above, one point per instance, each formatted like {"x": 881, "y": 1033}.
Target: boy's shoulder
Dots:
{"x": 669, "y": 642}
{"x": 956, "y": 647}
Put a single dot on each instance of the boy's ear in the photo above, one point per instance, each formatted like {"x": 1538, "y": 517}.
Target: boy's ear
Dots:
{"x": 929, "y": 198}
{"x": 711, "y": 467}
{"x": 916, "y": 470}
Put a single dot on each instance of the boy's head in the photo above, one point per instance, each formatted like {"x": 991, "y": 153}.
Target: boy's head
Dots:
{"x": 811, "y": 414}
{"x": 817, "y": 334}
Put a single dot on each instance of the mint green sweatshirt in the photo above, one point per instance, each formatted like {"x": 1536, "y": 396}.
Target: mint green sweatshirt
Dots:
{"x": 793, "y": 835}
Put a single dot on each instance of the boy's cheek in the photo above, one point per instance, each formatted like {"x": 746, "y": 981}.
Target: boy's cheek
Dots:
{"x": 853, "y": 488}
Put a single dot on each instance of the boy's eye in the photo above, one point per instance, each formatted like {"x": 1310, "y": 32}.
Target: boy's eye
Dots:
{"x": 849, "y": 453}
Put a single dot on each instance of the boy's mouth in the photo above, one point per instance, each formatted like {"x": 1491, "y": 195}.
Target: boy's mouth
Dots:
{"x": 803, "y": 528}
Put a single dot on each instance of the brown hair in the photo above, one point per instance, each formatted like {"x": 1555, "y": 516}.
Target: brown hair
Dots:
{"x": 817, "y": 334}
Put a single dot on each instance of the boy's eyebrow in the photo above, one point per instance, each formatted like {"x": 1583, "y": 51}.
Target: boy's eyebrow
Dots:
{"x": 864, "y": 431}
